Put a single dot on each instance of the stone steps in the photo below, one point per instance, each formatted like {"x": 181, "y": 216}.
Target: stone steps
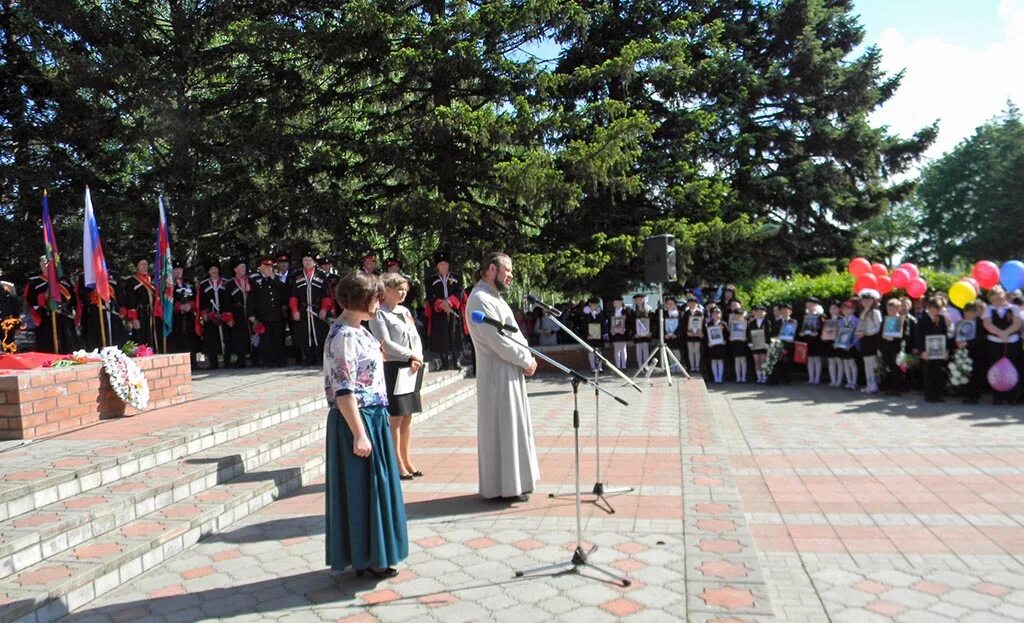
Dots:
{"x": 58, "y": 557}
{"x": 79, "y": 474}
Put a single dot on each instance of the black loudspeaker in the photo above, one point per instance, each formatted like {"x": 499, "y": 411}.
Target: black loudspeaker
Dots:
{"x": 660, "y": 258}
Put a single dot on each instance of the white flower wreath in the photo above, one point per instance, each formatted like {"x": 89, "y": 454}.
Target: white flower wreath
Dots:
{"x": 126, "y": 378}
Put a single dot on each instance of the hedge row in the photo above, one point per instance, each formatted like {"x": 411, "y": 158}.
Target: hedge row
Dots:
{"x": 828, "y": 287}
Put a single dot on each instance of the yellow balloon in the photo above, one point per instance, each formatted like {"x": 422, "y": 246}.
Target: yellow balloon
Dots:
{"x": 961, "y": 293}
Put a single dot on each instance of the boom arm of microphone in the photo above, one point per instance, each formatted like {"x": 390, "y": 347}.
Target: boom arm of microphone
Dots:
{"x": 481, "y": 318}
{"x": 550, "y": 309}
{"x": 591, "y": 349}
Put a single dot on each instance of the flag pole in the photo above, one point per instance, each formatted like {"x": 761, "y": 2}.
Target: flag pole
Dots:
{"x": 53, "y": 324}
{"x": 103, "y": 321}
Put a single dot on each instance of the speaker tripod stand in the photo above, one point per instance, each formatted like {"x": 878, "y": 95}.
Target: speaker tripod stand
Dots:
{"x": 661, "y": 352}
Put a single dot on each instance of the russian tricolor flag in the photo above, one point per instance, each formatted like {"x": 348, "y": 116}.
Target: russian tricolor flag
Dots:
{"x": 95, "y": 269}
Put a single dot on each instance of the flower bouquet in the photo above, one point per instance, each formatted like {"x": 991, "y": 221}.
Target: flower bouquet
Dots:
{"x": 776, "y": 350}
{"x": 906, "y": 362}
{"x": 960, "y": 368}
{"x": 127, "y": 380}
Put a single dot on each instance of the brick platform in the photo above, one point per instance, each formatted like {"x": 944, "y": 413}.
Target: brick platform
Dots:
{"x": 42, "y": 402}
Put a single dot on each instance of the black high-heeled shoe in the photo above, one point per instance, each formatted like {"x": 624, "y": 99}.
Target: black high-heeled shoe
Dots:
{"x": 406, "y": 476}
{"x": 380, "y": 574}
{"x": 417, "y": 474}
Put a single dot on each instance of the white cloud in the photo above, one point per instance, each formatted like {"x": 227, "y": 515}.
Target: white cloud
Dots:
{"x": 960, "y": 86}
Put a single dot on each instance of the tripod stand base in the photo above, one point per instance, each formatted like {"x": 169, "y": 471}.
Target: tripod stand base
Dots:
{"x": 601, "y": 491}
{"x": 575, "y": 565}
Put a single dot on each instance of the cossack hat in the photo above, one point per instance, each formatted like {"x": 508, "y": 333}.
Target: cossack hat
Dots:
{"x": 178, "y": 264}
{"x": 442, "y": 255}
{"x": 759, "y": 307}
{"x": 211, "y": 262}
{"x": 393, "y": 261}
{"x": 310, "y": 253}
{"x": 266, "y": 260}
{"x": 785, "y": 305}
{"x": 369, "y": 255}
{"x": 283, "y": 256}
{"x": 236, "y": 261}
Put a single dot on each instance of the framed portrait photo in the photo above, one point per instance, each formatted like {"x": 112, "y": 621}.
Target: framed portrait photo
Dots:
{"x": 757, "y": 339}
{"x": 844, "y": 340}
{"x": 830, "y": 330}
{"x": 738, "y": 331}
{"x": 715, "y": 336}
{"x": 593, "y": 330}
{"x": 787, "y": 333}
{"x": 643, "y": 327}
{"x": 696, "y": 325}
{"x": 892, "y": 326}
{"x": 671, "y": 325}
{"x": 935, "y": 346}
{"x": 966, "y": 330}
{"x": 619, "y": 325}
{"x": 811, "y": 324}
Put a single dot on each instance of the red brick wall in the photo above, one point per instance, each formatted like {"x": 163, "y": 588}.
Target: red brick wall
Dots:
{"x": 43, "y": 402}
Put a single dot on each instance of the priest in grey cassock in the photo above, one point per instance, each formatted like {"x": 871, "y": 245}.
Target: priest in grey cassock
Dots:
{"x": 507, "y": 456}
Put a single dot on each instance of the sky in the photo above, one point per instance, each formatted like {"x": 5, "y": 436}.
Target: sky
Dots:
{"x": 963, "y": 60}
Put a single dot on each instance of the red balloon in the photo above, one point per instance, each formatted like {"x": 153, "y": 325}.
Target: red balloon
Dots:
{"x": 858, "y": 266}
{"x": 987, "y": 274}
{"x": 910, "y": 268}
{"x": 900, "y": 278}
{"x": 865, "y": 281}
{"x": 879, "y": 269}
{"x": 884, "y": 284}
{"x": 917, "y": 287}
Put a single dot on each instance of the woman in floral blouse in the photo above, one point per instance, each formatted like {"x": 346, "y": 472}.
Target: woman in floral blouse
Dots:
{"x": 365, "y": 522}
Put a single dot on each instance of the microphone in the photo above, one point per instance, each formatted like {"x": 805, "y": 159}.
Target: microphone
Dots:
{"x": 551, "y": 310}
{"x": 481, "y": 318}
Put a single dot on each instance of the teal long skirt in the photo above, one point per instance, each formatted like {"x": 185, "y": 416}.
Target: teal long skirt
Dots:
{"x": 365, "y": 518}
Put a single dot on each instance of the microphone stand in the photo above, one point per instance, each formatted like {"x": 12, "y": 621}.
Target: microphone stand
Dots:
{"x": 600, "y": 490}
{"x": 580, "y": 556}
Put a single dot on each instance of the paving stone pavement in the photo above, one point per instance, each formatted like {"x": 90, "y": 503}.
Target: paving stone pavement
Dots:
{"x": 465, "y": 551}
{"x": 799, "y": 504}
{"x": 867, "y": 508}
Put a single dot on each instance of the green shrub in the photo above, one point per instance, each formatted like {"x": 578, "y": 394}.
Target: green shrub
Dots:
{"x": 829, "y": 286}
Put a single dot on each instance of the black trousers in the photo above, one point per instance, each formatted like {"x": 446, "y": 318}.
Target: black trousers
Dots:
{"x": 215, "y": 343}
{"x": 310, "y": 332}
{"x": 271, "y": 351}
{"x": 934, "y": 379}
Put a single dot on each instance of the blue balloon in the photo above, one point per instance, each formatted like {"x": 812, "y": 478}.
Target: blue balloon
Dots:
{"x": 1011, "y": 274}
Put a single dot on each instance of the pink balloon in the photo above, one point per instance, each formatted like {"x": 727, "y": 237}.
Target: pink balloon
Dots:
{"x": 974, "y": 284}
{"x": 910, "y": 268}
{"x": 858, "y": 266}
{"x": 865, "y": 281}
{"x": 987, "y": 274}
{"x": 879, "y": 269}
{"x": 917, "y": 287}
{"x": 884, "y": 284}
{"x": 900, "y": 278}
{"x": 1002, "y": 376}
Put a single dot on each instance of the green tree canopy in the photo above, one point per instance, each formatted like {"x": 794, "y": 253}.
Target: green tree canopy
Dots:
{"x": 404, "y": 126}
{"x": 971, "y": 200}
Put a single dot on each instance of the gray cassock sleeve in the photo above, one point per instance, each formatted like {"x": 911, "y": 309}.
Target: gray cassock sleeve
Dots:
{"x": 505, "y": 347}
